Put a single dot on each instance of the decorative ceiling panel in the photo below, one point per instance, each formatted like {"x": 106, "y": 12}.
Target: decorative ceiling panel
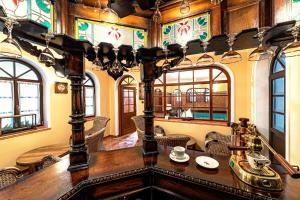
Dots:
{"x": 117, "y": 35}
{"x": 40, "y": 11}
{"x": 196, "y": 27}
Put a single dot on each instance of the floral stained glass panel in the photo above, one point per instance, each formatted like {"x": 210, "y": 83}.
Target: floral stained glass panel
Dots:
{"x": 182, "y": 31}
{"x": 97, "y": 32}
{"x": 295, "y": 9}
{"x": 40, "y": 11}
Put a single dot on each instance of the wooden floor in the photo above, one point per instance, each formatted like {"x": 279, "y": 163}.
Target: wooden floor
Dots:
{"x": 126, "y": 141}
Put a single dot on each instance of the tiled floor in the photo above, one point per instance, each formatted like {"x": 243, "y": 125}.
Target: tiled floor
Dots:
{"x": 126, "y": 141}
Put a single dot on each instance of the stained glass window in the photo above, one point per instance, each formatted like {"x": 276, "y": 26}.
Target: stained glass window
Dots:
{"x": 295, "y": 9}
{"x": 40, "y": 11}
{"x": 180, "y": 32}
{"x": 97, "y": 32}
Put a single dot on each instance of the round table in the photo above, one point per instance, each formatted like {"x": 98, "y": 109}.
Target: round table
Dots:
{"x": 33, "y": 158}
{"x": 191, "y": 144}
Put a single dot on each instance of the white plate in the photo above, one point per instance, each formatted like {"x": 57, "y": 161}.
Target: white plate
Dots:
{"x": 207, "y": 162}
{"x": 186, "y": 158}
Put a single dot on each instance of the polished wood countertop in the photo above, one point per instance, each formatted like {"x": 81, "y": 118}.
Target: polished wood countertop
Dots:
{"x": 55, "y": 182}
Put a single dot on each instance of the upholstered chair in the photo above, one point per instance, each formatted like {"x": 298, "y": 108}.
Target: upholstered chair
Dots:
{"x": 172, "y": 141}
{"x": 217, "y": 143}
{"x": 94, "y": 136}
{"x": 49, "y": 160}
{"x": 9, "y": 176}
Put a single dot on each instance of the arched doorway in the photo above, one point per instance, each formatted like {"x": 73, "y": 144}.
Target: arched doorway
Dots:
{"x": 127, "y": 104}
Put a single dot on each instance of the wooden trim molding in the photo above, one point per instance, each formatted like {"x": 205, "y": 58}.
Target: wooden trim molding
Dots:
{"x": 27, "y": 132}
{"x": 241, "y": 6}
{"x": 212, "y": 123}
{"x": 165, "y": 173}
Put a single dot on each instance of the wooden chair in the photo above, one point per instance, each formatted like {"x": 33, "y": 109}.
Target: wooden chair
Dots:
{"x": 139, "y": 122}
{"x": 9, "y": 176}
{"x": 94, "y": 136}
{"x": 217, "y": 143}
{"x": 172, "y": 141}
{"x": 49, "y": 160}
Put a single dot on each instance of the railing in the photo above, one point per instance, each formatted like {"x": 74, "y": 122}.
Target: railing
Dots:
{"x": 9, "y": 124}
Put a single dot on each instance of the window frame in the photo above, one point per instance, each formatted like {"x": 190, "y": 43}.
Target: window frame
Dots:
{"x": 15, "y": 80}
{"x": 89, "y": 77}
{"x": 210, "y": 82}
{"x": 276, "y": 76}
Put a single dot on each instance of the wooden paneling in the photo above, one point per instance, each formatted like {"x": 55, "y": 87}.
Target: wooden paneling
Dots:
{"x": 242, "y": 15}
{"x": 245, "y": 14}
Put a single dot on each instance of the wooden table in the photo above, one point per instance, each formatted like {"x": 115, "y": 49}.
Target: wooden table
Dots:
{"x": 33, "y": 158}
{"x": 191, "y": 144}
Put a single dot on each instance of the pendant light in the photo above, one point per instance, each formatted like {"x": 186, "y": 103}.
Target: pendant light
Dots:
{"x": 185, "y": 7}
{"x": 231, "y": 56}
{"x": 47, "y": 56}
{"x": 9, "y": 46}
{"x": 109, "y": 14}
{"x": 261, "y": 52}
{"x": 157, "y": 14}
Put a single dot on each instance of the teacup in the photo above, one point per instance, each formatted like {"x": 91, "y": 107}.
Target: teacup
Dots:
{"x": 178, "y": 152}
{"x": 257, "y": 161}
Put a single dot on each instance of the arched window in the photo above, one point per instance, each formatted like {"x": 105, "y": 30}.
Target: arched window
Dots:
{"x": 89, "y": 96}
{"x": 277, "y": 101}
{"x": 21, "y": 96}
{"x": 205, "y": 91}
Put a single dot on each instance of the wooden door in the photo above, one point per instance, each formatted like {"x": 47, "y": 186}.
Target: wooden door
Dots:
{"x": 127, "y": 106}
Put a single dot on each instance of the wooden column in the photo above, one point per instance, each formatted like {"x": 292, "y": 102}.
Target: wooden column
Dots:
{"x": 148, "y": 75}
{"x": 78, "y": 153}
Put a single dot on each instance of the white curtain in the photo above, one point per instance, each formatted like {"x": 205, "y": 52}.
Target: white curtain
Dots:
{"x": 6, "y": 102}
{"x": 29, "y": 98}
{"x": 89, "y": 101}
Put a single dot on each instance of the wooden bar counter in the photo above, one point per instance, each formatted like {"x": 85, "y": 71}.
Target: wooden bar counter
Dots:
{"x": 126, "y": 174}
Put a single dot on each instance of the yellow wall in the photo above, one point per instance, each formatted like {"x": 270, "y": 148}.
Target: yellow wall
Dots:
{"x": 293, "y": 109}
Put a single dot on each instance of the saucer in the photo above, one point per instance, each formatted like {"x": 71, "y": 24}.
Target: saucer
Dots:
{"x": 186, "y": 158}
{"x": 207, "y": 162}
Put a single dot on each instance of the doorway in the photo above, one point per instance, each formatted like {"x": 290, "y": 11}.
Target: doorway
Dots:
{"x": 127, "y": 105}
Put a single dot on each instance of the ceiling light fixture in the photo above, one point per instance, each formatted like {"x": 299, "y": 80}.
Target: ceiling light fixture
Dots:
{"x": 109, "y": 14}
{"x": 231, "y": 56}
{"x": 157, "y": 14}
{"x": 261, "y": 52}
{"x": 185, "y": 7}
{"x": 216, "y": 2}
{"x": 10, "y": 47}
